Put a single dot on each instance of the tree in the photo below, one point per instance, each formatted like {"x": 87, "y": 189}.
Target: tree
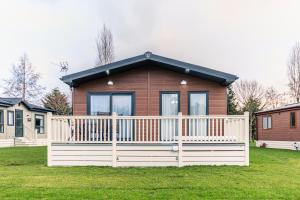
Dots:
{"x": 252, "y": 106}
{"x": 231, "y": 101}
{"x": 57, "y": 101}
{"x": 273, "y": 98}
{"x": 250, "y": 97}
{"x": 24, "y": 81}
{"x": 294, "y": 72}
{"x": 105, "y": 47}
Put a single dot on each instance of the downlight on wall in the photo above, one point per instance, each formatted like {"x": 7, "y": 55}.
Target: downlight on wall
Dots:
{"x": 110, "y": 83}
{"x": 183, "y": 82}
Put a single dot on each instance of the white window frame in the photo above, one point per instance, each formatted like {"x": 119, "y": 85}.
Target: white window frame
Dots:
{"x": 9, "y": 122}
{"x": 267, "y": 122}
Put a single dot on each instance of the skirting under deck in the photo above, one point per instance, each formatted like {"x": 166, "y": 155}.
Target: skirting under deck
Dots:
{"x": 278, "y": 144}
{"x": 146, "y": 155}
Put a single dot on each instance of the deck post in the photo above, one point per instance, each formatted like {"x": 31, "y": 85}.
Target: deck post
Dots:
{"x": 246, "y": 114}
{"x": 180, "y": 139}
{"x": 114, "y": 139}
{"x": 49, "y": 137}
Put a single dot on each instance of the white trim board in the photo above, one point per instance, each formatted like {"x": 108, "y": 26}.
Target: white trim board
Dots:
{"x": 278, "y": 144}
{"x": 146, "y": 155}
{"x": 6, "y": 142}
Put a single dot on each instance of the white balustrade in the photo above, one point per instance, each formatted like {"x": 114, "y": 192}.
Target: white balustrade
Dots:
{"x": 149, "y": 129}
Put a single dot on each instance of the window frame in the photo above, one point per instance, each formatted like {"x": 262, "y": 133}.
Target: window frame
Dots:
{"x": 110, "y": 94}
{"x": 161, "y": 93}
{"x": 268, "y": 127}
{"x": 2, "y": 121}
{"x": 13, "y": 118}
{"x": 293, "y": 126}
{"x": 197, "y": 92}
{"x": 38, "y": 127}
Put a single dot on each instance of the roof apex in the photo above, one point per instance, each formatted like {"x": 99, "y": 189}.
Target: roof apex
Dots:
{"x": 182, "y": 67}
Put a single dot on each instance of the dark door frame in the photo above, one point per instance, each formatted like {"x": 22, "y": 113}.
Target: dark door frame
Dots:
{"x": 20, "y": 111}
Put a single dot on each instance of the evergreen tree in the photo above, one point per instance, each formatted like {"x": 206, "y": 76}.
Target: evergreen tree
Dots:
{"x": 252, "y": 106}
{"x": 231, "y": 102}
{"x": 57, "y": 101}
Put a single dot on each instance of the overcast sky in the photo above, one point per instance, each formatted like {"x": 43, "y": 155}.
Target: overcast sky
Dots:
{"x": 251, "y": 39}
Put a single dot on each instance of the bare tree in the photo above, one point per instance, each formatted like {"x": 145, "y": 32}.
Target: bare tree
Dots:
{"x": 246, "y": 90}
{"x": 250, "y": 96}
{"x": 105, "y": 47}
{"x": 294, "y": 72}
{"x": 24, "y": 81}
{"x": 273, "y": 98}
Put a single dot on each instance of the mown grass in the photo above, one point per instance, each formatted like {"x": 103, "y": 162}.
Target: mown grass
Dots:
{"x": 273, "y": 174}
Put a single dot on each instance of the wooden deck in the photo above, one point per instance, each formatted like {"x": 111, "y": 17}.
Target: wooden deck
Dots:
{"x": 124, "y": 141}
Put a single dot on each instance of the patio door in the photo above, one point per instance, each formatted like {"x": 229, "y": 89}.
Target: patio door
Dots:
{"x": 169, "y": 103}
{"x": 121, "y": 104}
{"x": 19, "y": 129}
{"x": 198, "y": 106}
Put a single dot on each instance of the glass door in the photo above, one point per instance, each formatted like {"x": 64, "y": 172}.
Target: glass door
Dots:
{"x": 198, "y": 106}
{"x": 169, "y": 107}
{"x": 19, "y": 124}
{"x": 122, "y": 105}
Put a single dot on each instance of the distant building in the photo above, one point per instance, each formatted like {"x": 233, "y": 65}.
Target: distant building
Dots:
{"x": 279, "y": 128}
{"x": 22, "y": 123}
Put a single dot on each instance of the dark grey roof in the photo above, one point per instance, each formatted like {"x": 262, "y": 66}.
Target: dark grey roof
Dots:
{"x": 7, "y": 102}
{"x": 4, "y": 103}
{"x": 122, "y": 65}
{"x": 285, "y": 107}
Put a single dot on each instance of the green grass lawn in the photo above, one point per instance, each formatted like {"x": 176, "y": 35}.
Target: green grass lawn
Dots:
{"x": 273, "y": 174}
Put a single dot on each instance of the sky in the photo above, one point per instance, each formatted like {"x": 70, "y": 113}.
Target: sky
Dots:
{"x": 251, "y": 39}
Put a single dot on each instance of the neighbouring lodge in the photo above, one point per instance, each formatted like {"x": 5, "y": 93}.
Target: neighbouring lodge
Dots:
{"x": 22, "y": 123}
{"x": 149, "y": 110}
{"x": 279, "y": 127}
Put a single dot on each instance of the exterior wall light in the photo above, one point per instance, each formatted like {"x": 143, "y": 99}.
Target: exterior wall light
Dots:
{"x": 183, "y": 82}
{"x": 110, "y": 83}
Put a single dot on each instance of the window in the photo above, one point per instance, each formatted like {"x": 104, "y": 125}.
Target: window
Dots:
{"x": 293, "y": 119}
{"x": 267, "y": 122}
{"x": 198, "y": 103}
{"x": 1, "y": 121}
{"x": 39, "y": 123}
{"x": 169, "y": 105}
{"x": 10, "y": 118}
{"x": 106, "y": 103}
{"x": 99, "y": 104}
{"x": 198, "y": 106}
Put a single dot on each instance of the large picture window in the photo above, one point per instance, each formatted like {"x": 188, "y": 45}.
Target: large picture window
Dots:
{"x": 40, "y": 124}
{"x": 1, "y": 121}
{"x": 267, "y": 122}
{"x": 107, "y": 103}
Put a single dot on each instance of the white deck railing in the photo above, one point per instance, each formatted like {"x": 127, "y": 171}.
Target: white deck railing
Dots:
{"x": 149, "y": 129}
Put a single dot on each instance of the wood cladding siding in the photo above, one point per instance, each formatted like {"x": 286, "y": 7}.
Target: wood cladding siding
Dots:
{"x": 147, "y": 82}
{"x": 280, "y": 130}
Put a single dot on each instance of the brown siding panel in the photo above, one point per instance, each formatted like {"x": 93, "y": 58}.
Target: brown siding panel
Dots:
{"x": 157, "y": 79}
{"x": 281, "y": 130}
